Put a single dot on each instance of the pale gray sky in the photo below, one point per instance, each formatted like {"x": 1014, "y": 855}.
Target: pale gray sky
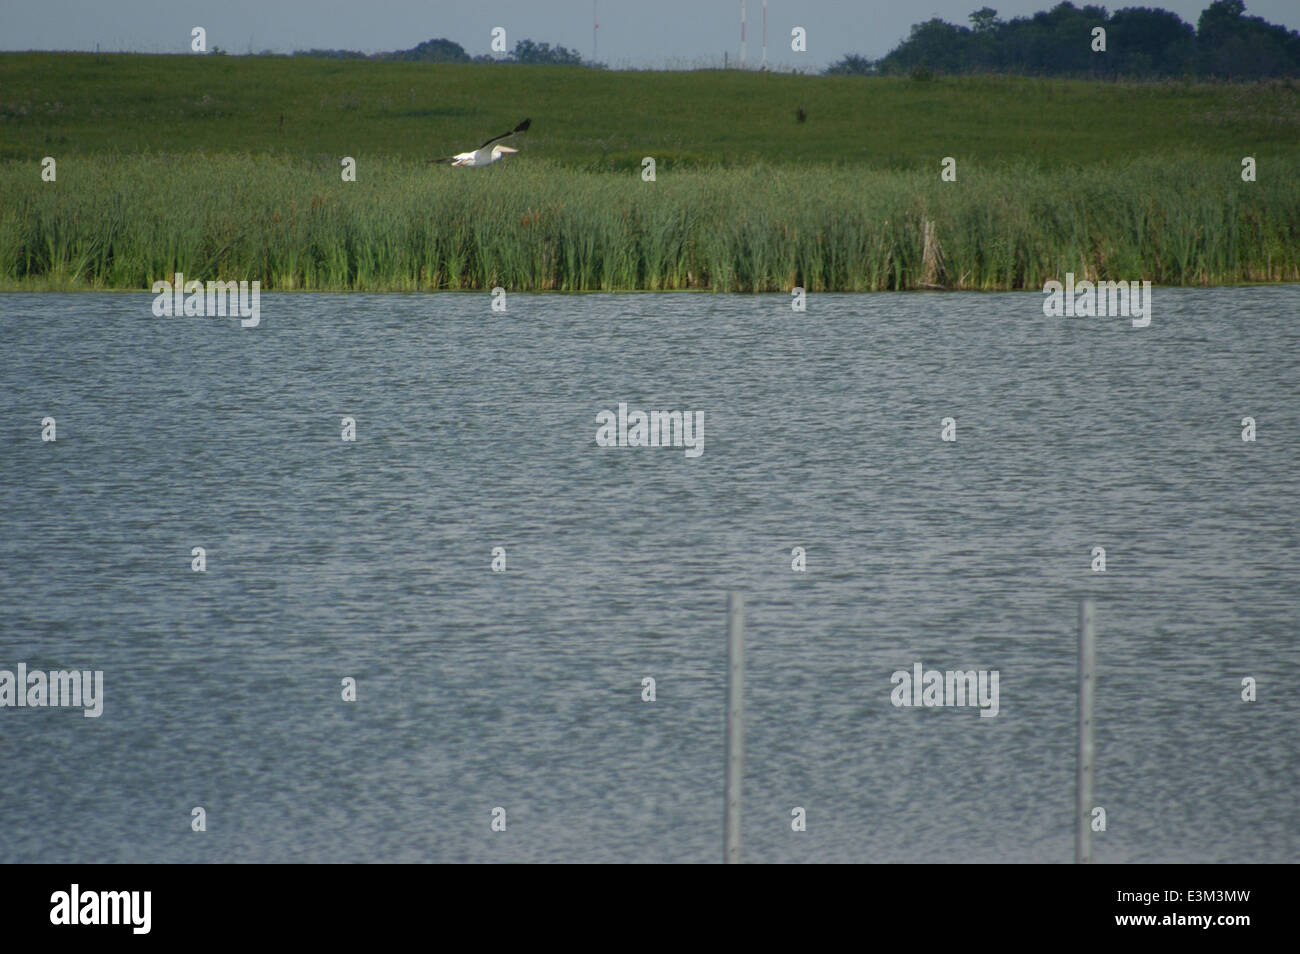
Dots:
{"x": 633, "y": 33}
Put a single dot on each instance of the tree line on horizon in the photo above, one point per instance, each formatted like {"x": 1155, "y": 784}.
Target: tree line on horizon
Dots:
{"x": 449, "y": 51}
{"x": 1140, "y": 42}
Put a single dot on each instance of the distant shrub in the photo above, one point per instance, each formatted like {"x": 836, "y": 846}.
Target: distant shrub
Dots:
{"x": 852, "y": 65}
{"x": 526, "y": 51}
{"x": 430, "y": 51}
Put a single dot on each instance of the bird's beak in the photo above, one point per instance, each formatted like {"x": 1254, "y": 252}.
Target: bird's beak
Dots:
{"x": 508, "y": 149}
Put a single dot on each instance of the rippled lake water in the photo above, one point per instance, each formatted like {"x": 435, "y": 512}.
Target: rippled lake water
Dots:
{"x": 476, "y": 429}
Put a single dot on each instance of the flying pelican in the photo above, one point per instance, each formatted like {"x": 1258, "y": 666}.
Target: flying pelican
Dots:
{"x": 482, "y": 156}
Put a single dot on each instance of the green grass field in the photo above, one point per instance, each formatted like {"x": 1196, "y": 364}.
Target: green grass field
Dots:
{"x": 228, "y": 167}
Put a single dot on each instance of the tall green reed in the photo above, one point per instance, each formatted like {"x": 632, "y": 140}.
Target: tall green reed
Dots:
{"x": 123, "y": 222}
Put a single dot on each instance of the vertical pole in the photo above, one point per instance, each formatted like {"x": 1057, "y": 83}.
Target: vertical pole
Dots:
{"x": 735, "y": 725}
{"x": 595, "y": 25}
{"x": 1087, "y": 682}
{"x": 764, "y": 34}
{"x": 742, "y": 34}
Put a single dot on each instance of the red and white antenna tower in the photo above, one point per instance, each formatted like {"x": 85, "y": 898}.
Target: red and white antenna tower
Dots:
{"x": 742, "y": 34}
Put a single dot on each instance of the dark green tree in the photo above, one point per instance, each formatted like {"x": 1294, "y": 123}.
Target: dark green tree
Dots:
{"x": 432, "y": 51}
{"x": 852, "y": 65}
{"x": 1233, "y": 45}
{"x": 985, "y": 20}
{"x": 942, "y": 46}
{"x": 526, "y": 51}
{"x": 1141, "y": 41}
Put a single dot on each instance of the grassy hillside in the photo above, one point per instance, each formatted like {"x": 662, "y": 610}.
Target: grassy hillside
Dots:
{"x": 228, "y": 168}
{"x": 68, "y": 104}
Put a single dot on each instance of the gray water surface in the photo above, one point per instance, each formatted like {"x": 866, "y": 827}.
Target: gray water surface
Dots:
{"x": 522, "y": 689}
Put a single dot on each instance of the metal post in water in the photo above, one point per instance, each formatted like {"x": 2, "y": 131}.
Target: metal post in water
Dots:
{"x": 1087, "y": 682}
{"x": 735, "y": 725}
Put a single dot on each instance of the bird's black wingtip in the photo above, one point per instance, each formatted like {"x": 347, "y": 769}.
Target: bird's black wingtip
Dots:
{"x": 523, "y": 127}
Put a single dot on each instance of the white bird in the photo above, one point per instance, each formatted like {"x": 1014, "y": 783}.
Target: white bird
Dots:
{"x": 483, "y": 156}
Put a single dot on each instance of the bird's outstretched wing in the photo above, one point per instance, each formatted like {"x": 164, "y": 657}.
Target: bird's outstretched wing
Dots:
{"x": 522, "y": 127}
